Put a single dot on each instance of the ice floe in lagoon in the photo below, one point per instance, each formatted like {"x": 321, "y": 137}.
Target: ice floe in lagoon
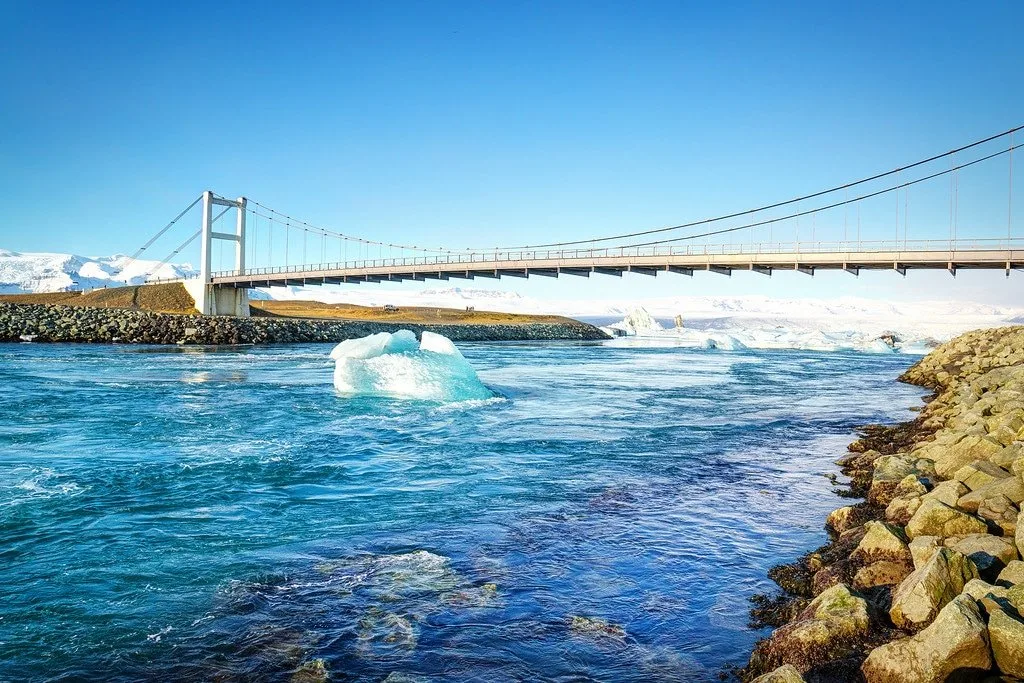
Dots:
{"x": 400, "y": 366}
{"x": 640, "y": 327}
{"x": 638, "y": 322}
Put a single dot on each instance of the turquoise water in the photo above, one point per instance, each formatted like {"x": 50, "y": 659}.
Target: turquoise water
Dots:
{"x": 190, "y": 514}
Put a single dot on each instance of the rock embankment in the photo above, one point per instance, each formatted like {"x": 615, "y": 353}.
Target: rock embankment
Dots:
{"x": 923, "y": 581}
{"x": 54, "y": 323}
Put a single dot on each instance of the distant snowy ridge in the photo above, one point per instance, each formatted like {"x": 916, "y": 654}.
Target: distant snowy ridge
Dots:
{"x": 22, "y": 273}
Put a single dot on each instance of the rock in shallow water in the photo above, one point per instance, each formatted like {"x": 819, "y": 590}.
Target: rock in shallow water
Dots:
{"x": 831, "y": 627}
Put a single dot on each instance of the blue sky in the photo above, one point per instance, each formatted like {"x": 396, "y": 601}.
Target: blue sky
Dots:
{"x": 454, "y": 123}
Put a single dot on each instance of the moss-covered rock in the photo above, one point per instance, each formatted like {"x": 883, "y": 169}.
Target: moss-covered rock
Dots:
{"x": 921, "y": 596}
{"x": 956, "y": 643}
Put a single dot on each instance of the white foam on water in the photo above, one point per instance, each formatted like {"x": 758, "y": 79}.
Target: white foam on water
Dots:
{"x": 398, "y": 366}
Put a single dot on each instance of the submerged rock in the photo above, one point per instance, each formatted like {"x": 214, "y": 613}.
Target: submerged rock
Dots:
{"x": 315, "y": 671}
{"x": 595, "y": 627}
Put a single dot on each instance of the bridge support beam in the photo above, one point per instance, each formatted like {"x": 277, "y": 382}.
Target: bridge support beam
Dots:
{"x": 899, "y": 268}
{"x": 764, "y": 270}
{"x": 581, "y": 272}
{"x": 855, "y": 270}
{"x": 617, "y": 272}
{"x": 951, "y": 267}
{"x": 680, "y": 270}
{"x": 719, "y": 269}
{"x": 806, "y": 270}
{"x": 653, "y": 272}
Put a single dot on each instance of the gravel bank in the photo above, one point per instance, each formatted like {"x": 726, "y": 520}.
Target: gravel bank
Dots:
{"x": 55, "y": 323}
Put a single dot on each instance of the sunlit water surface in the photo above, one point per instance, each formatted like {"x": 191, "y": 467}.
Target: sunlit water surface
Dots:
{"x": 188, "y": 514}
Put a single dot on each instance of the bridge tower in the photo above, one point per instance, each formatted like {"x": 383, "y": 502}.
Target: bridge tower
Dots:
{"x": 210, "y": 299}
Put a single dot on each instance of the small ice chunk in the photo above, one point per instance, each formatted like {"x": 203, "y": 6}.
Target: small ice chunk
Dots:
{"x": 436, "y": 343}
{"x": 364, "y": 347}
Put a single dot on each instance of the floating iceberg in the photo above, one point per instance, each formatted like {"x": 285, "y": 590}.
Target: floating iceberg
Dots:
{"x": 638, "y": 322}
{"x": 398, "y": 366}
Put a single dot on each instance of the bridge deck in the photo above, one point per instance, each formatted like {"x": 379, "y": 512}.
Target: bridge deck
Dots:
{"x": 552, "y": 264}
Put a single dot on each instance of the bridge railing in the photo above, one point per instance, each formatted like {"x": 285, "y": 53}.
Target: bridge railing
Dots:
{"x": 802, "y": 248}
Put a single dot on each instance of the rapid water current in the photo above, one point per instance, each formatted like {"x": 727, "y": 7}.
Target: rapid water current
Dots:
{"x": 198, "y": 514}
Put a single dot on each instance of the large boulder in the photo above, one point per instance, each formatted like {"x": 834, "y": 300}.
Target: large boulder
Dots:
{"x": 954, "y": 646}
{"x": 922, "y": 548}
{"x": 920, "y": 596}
{"x": 1012, "y": 574}
{"x": 1009, "y": 486}
{"x": 831, "y": 627}
{"x": 1000, "y": 513}
{"x": 988, "y": 553}
{"x": 846, "y": 518}
{"x": 787, "y": 673}
{"x": 980, "y": 473}
{"x": 948, "y": 492}
{"x": 971, "y": 447}
{"x": 935, "y": 518}
{"x": 1006, "y": 632}
{"x": 889, "y": 471}
{"x": 881, "y": 542}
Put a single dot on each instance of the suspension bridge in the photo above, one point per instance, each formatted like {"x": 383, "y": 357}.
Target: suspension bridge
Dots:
{"x": 864, "y": 224}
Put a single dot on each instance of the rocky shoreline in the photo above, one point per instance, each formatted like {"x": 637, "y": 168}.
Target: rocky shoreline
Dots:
{"x": 923, "y": 580}
{"x": 56, "y": 323}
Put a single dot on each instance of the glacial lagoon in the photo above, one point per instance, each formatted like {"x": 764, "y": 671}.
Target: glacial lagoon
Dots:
{"x": 226, "y": 514}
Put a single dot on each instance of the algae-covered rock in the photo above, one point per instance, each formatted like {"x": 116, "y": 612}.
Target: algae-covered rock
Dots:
{"x": 881, "y": 542}
{"x": 980, "y": 473}
{"x": 832, "y": 626}
{"x": 934, "y": 518}
{"x": 1010, "y": 487}
{"x": 881, "y": 573}
{"x": 787, "y": 673}
{"x": 955, "y": 643}
{"x": 920, "y": 596}
{"x": 890, "y": 470}
{"x": 314, "y": 671}
{"x": 1006, "y": 633}
{"x": 1012, "y": 574}
{"x": 948, "y": 492}
{"x": 988, "y": 553}
{"x": 922, "y": 548}
{"x": 1000, "y": 513}
{"x": 595, "y": 627}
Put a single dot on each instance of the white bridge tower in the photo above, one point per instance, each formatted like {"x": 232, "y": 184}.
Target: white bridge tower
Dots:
{"x": 225, "y": 300}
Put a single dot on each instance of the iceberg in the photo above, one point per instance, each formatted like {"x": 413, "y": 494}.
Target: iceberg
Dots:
{"x": 638, "y": 322}
{"x": 398, "y": 366}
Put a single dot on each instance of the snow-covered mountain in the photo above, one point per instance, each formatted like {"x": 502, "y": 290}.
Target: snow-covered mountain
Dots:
{"x": 43, "y": 272}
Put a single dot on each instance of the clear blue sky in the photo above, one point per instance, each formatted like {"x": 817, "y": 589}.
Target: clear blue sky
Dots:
{"x": 455, "y": 123}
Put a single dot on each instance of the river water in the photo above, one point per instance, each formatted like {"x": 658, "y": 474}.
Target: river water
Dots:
{"x": 191, "y": 514}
